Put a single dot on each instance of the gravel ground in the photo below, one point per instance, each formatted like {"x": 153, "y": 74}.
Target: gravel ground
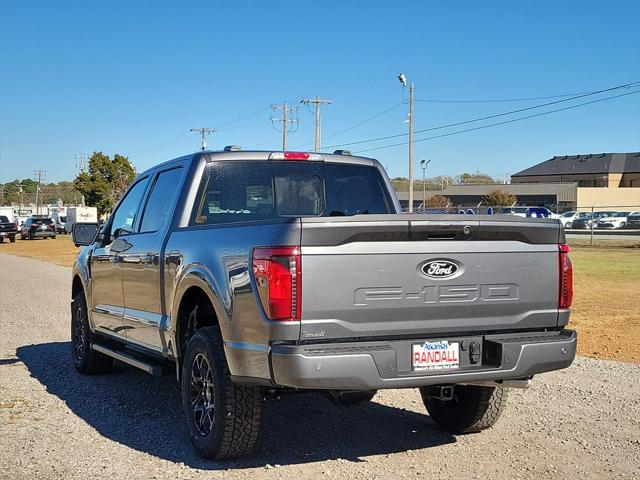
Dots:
{"x": 583, "y": 422}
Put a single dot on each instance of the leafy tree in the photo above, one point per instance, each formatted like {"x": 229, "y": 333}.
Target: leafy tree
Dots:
{"x": 437, "y": 201}
{"x": 475, "y": 178}
{"x": 499, "y": 198}
{"x": 105, "y": 181}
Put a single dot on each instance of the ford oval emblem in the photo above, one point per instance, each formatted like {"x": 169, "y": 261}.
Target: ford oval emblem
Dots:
{"x": 440, "y": 269}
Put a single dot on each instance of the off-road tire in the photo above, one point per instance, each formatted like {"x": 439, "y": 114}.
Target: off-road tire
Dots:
{"x": 472, "y": 409}
{"x": 237, "y": 409}
{"x": 12, "y": 239}
{"x": 85, "y": 359}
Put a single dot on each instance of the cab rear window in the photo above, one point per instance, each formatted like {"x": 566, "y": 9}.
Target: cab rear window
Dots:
{"x": 240, "y": 191}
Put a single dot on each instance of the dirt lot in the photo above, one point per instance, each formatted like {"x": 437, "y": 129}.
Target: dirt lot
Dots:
{"x": 606, "y": 311}
{"x": 581, "y": 422}
{"x": 60, "y": 251}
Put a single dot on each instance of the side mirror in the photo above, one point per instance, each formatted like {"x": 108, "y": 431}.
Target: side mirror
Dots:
{"x": 84, "y": 234}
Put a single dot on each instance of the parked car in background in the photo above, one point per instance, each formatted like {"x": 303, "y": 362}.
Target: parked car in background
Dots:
{"x": 529, "y": 212}
{"x": 568, "y": 217}
{"x": 517, "y": 211}
{"x": 8, "y": 229}
{"x": 633, "y": 220}
{"x": 591, "y": 219}
{"x": 619, "y": 220}
{"x": 38, "y": 227}
{"x": 59, "y": 219}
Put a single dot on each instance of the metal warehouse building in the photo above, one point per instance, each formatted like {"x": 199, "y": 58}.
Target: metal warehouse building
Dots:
{"x": 561, "y": 183}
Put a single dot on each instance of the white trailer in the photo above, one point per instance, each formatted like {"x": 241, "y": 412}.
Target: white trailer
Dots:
{"x": 80, "y": 214}
{"x": 7, "y": 212}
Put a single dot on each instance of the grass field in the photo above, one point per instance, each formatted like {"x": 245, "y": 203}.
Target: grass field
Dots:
{"x": 606, "y": 303}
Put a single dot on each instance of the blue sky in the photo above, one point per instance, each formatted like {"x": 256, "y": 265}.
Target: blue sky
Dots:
{"x": 134, "y": 77}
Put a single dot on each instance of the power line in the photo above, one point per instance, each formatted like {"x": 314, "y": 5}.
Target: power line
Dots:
{"x": 317, "y": 102}
{"x": 289, "y": 117}
{"x": 239, "y": 119}
{"x": 203, "y": 133}
{"x": 488, "y": 117}
{"x": 367, "y": 120}
{"x": 502, "y": 100}
{"x": 503, "y": 122}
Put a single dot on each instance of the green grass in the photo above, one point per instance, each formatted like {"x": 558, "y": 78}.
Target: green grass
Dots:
{"x": 619, "y": 264}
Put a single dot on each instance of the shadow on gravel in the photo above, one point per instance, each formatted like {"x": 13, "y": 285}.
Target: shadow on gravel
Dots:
{"x": 144, "y": 413}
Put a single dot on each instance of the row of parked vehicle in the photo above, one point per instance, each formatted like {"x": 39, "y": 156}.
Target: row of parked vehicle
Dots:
{"x": 36, "y": 226}
{"x": 601, "y": 219}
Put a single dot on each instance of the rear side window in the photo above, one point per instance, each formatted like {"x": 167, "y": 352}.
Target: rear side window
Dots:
{"x": 161, "y": 199}
{"x": 243, "y": 191}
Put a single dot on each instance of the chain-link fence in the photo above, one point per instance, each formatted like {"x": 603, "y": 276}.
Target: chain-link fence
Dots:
{"x": 589, "y": 220}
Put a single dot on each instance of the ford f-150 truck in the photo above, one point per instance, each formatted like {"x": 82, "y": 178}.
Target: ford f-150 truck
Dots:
{"x": 259, "y": 272}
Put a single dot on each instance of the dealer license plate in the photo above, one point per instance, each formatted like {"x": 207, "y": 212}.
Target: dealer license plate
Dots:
{"x": 435, "y": 355}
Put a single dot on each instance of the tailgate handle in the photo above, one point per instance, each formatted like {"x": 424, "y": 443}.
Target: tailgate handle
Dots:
{"x": 448, "y": 233}
{"x": 441, "y": 235}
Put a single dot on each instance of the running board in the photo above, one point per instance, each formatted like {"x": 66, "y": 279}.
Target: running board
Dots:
{"x": 152, "y": 368}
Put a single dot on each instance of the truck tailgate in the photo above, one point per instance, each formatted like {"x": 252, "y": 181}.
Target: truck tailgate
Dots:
{"x": 409, "y": 276}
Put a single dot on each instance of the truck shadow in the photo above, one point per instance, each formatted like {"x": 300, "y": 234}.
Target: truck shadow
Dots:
{"x": 145, "y": 413}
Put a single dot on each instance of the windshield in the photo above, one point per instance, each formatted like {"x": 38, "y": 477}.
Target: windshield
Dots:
{"x": 259, "y": 190}
{"x": 621, "y": 214}
{"x": 4, "y": 219}
{"x": 568, "y": 214}
{"x": 62, "y": 219}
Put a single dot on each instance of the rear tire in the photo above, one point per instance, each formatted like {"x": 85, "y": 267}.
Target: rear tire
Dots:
{"x": 12, "y": 239}
{"x": 223, "y": 418}
{"x": 85, "y": 359}
{"x": 472, "y": 409}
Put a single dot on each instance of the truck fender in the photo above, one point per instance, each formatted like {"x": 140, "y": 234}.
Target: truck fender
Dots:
{"x": 196, "y": 275}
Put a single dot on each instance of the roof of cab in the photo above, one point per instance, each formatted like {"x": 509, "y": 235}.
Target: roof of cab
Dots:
{"x": 258, "y": 155}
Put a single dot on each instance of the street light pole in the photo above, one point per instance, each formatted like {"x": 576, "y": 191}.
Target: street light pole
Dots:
{"x": 403, "y": 80}
{"x": 411, "y": 147}
{"x": 424, "y": 164}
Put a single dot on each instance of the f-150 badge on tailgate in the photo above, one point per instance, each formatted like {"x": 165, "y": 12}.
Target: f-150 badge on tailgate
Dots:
{"x": 440, "y": 269}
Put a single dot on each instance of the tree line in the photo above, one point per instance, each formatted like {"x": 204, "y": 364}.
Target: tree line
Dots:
{"x": 102, "y": 184}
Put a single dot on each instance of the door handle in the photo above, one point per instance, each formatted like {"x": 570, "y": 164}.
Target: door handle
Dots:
{"x": 130, "y": 258}
{"x": 174, "y": 256}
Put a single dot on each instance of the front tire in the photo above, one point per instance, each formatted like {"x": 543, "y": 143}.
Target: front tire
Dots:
{"x": 85, "y": 359}
{"x": 223, "y": 418}
{"x": 472, "y": 409}
{"x": 12, "y": 239}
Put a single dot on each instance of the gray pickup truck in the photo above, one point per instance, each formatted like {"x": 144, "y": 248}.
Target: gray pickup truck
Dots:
{"x": 253, "y": 273}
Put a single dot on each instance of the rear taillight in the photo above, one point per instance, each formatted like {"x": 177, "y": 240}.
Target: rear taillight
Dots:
{"x": 278, "y": 275}
{"x": 566, "y": 277}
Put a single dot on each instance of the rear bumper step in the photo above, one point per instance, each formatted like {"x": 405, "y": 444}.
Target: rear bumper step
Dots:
{"x": 508, "y": 358}
{"x": 154, "y": 369}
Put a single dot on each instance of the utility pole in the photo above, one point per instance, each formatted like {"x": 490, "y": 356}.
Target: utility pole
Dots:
{"x": 317, "y": 102}
{"x": 81, "y": 165}
{"x": 285, "y": 120}
{"x": 81, "y": 162}
{"x": 38, "y": 176}
{"x": 203, "y": 133}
